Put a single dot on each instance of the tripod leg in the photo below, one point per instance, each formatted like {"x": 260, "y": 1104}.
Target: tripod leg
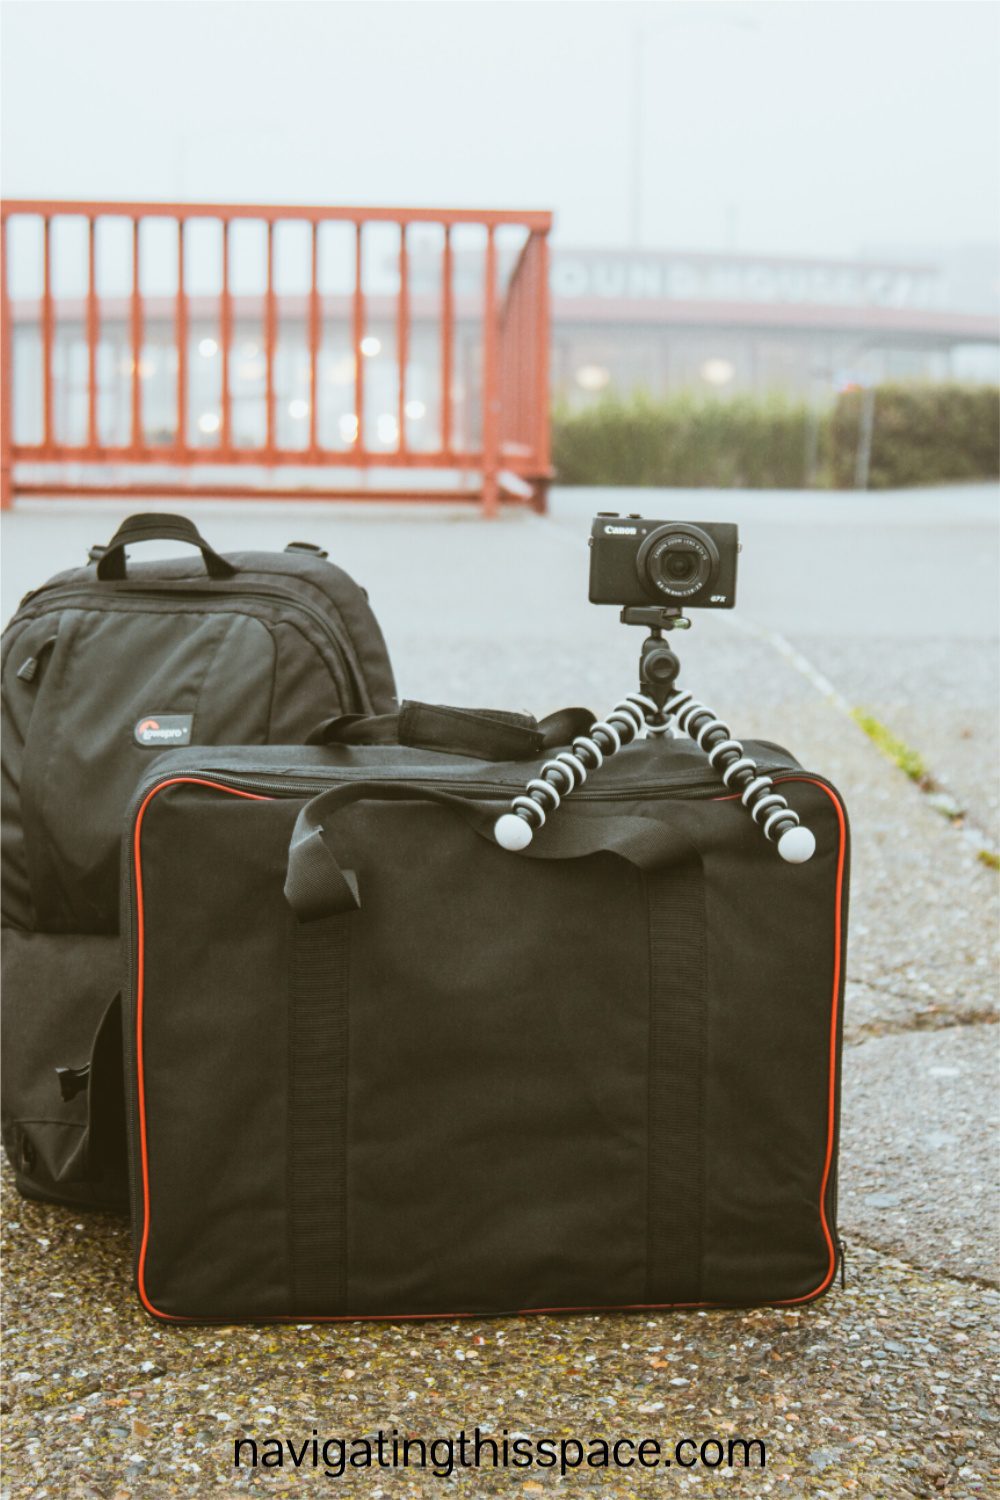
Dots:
{"x": 516, "y": 828}
{"x": 768, "y": 808}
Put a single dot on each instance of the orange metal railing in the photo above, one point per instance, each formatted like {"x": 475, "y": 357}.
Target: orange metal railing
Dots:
{"x": 501, "y": 441}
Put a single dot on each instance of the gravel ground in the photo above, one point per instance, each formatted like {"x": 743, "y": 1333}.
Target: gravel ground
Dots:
{"x": 878, "y": 1390}
{"x": 882, "y": 1389}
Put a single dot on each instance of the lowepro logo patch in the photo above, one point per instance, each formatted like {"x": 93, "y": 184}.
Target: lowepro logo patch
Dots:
{"x": 159, "y": 730}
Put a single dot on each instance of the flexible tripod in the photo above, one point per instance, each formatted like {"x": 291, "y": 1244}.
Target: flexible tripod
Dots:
{"x": 655, "y": 708}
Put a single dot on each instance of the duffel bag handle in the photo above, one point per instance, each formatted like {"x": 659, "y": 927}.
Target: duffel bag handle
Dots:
{"x": 317, "y": 885}
{"x": 151, "y": 527}
{"x": 486, "y": 734}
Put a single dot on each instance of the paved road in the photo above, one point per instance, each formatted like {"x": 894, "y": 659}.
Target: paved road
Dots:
{"x": 881, "y": 1390}
{"x": 894, "y": 597}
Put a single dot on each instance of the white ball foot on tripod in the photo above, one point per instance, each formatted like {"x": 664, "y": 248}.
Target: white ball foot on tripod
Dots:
{"x": 795, "y": 845}
{"x": 514, "y": 833}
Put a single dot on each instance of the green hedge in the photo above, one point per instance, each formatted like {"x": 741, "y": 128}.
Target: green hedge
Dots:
{"x": 921, "y": 434}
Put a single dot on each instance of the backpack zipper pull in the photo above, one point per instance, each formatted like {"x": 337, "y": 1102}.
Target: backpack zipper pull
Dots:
{"x": 28, "y": 670}
{"x": 843, "y": 1265}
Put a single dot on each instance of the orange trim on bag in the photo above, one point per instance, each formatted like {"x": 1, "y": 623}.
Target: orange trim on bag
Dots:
{"x": 831, "y": 1103}
{"x": 140, "y": 954}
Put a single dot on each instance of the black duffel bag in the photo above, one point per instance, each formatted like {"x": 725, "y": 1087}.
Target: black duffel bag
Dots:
{"x": 104, "y": 667}
{"x": 380, "y": 1067}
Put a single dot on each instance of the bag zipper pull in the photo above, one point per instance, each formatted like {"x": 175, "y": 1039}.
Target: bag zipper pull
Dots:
{"x": 843, "y": 1265}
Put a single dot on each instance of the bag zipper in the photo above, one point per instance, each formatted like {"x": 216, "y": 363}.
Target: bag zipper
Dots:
{"x": 214, "y": 596}
{"x": 703, "y": 784}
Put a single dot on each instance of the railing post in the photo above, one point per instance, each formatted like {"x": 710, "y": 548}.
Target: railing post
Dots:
{"x": 402, "y": 338}
{"x": 136, "y": 341}
{"x": 6, "y": 373}
{"x": 92, "y": 335}
{"x": 491, "y": 431}
{"x": 357, "y": 334}
{"x": 270, "y": 336}
{"x": 226, "y": 340}
{"x": 47, "y": 326}
{"x": 314, "y": 343}
{"x": 181, "y": 336}
{"x": 447, "y": 341}
{"x": 543, "y": 456}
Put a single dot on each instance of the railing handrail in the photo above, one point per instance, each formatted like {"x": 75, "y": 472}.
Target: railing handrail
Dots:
{"x": 534, "y": 219}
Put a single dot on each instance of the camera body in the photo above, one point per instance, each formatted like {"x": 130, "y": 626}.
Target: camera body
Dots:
{"x": 637, "y": 561}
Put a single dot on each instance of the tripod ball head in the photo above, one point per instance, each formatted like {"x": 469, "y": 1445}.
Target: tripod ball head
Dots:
{"x": 660, "y": 665}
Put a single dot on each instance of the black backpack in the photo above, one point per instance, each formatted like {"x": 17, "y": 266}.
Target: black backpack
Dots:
{"x": 104, "y": 667}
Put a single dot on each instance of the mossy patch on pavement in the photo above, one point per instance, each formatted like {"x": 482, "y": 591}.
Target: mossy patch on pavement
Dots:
{"x": 909, "y": 761}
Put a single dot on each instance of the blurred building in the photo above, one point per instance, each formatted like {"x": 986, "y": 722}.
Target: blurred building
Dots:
{"x": 727, "y": 323}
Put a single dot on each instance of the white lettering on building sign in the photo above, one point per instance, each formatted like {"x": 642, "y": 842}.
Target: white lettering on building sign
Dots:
{"x": 639, "y": 278}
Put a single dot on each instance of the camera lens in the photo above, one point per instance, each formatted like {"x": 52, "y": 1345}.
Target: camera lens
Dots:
{"x": 678, "y": 560}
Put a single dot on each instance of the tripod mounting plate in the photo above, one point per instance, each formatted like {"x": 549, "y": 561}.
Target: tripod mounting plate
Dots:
{"x": 655, "y": 617}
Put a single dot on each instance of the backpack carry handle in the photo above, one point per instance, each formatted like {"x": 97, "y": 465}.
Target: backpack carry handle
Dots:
{"x": 151, "y": 527}
{"x": 485, "y": 734}
{"x": 317, "y": 885}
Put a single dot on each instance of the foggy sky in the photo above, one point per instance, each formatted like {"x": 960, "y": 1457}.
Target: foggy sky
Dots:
{"x": 803, "y": 128}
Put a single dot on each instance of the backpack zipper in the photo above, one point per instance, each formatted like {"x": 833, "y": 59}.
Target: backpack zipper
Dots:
{"x": 214, "y": 596}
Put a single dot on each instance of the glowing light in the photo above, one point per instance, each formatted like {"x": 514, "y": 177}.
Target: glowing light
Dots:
{"x": 370, "y": 346}
{"x": 387, "y": 428}
{"x": 718, "y": 371}
{"x": 298, "y": 409}
{"x": 209, "y": 421}
{"x": 251, "y": 369}
{"x": 207, "y": 347}
{"x": 592, "y": 377}
{"x": 415, "y": 410}
{"x": 348, "y": 425}
{"x": 341, "y": 371}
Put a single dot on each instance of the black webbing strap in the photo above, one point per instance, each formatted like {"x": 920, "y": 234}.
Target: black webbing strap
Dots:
{"x": 317, "y": 1125}
{"x": 676, "y": 903}
{"x": 317, "y": 885}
